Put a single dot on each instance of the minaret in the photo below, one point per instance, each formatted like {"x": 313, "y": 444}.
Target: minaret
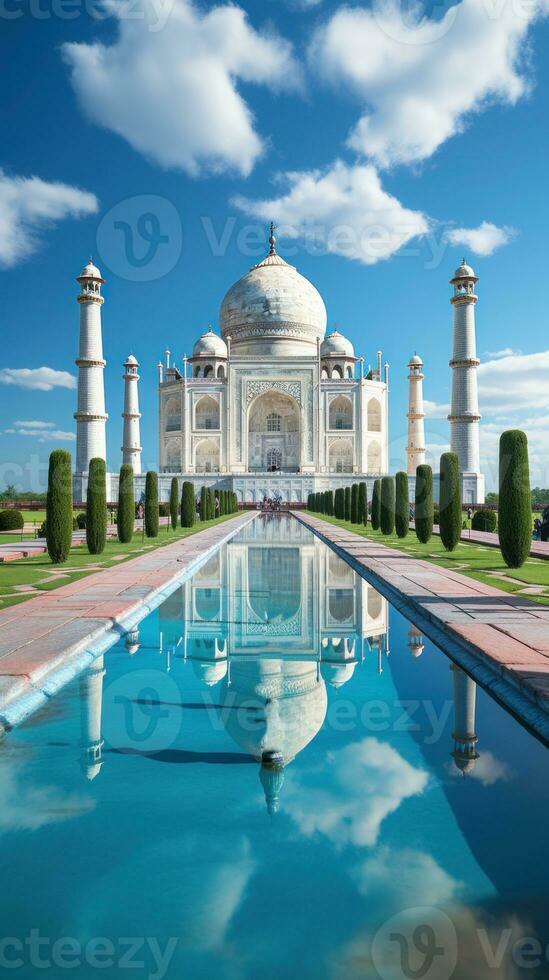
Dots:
{"x": 415, "y": 641}
{"x": 131, "y": 449}
{"x": 464, "y": 415}
{"x": 465, "y": 740}
{"x": 91, "y": 699}
{"x": 415, "y": 449}
{"x": 90, "y": 415}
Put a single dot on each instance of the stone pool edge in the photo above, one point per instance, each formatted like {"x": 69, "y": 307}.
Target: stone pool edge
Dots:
{"x": 28, "y": 692}
{"x": 526, "y": 701}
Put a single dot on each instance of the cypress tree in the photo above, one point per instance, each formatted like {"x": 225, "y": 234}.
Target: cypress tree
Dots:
{"x": 515, "y": 501}
{"x": 339, "y": 503}
{"x": 330, "y": 503}
{"x": 402, "y": 504}
{"x": 96, "y": 507}
{"x": 151, "y": 504}
{"x": 309, "y": 501}
{"x": 347, "y": 503}
{"x": 354, "y": 503}
{"x": 188, "y": 505}
{"x": 59, "y": 506}
{"x": 424, "y": 510}
{"x": 387, "y": 508}
{"x": 211, "y": 503}
{"x": 126, "y": 504}
{"x": 203, "y": 504}
{"x": 376, "y": 505}
{"x": 450, "y": 501}
{"x": 174, "y": 502}
{"x": 362, "y": 504}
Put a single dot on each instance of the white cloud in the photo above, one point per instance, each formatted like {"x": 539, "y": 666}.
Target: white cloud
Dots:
{"x": 516, "y": 381}
{"x": 358, "y": 787}
{"x": 483, "y": 240}
{"x": 420, "y": 880}
{"x": 170, "y": 87}
{"x": 28, "y": 205}
{"x": 43, "y": 431}
{"x": 343, "y": 210}
{"x": 434, "y": 410}
{"x": 504, "y": 352}
{"x": 420, "y": 78}
{"x": 35, "y": 425}
{"x": 38, "y": 379}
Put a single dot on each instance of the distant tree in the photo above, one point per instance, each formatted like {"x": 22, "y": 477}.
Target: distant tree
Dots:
{"x": 151, "y": 504}
{"x": 10, "y": 492}
{"x": 424, "y": 509}
{"x": 174, "y": 502}
{"x": 402, "y": 504}
{"x": 362, "y": 504}
{"x": 450, "y": 501}
{"x": 59, "y": 506}
{"x": 387, "y": 508}
{"x": 514, "y": 507}
{"x": 376, "y": 505}
{"x": 188, "y": 504}
{"x": 126, "y": 504}
{"x": 492, "y": 498}
{"x": 540, "y": 497}
{"x": 484, "y": 520}
{"x": 96, "y": 507}
{"x": 347, "y": 498}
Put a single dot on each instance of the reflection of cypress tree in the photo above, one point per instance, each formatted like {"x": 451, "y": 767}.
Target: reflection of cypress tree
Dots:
{"x": 376, "y": 505}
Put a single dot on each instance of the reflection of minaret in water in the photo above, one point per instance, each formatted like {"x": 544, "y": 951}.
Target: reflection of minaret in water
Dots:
{"x": 271, "y": 775}
{"x": 465, "y": 739}
{"x": 415, "y": 641}
{"x": 132, "y": 641}
{"x": 91, "y": 697}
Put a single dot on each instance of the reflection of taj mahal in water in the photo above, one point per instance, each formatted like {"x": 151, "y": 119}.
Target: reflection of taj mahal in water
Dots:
{"x": 273, "y": 621}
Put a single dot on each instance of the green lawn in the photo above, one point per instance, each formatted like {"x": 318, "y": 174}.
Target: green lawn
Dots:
{"x": 41, "y": 574}
{"x": 476, "y": 561}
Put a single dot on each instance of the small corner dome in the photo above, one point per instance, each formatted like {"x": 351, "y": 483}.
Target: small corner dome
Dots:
{"x": 210, "y": 344}
{"x": 416, "y": 359}
{"x": 90, "y": 271}
{"x": 335, "y": 344}
{"x": 131, "y": 360}
{"x": 464, "y": 271}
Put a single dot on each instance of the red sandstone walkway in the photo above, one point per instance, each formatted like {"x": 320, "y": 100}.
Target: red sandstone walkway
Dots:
{"x": 538, "y": 549}
{"x": 510, "y": 633}
{"x": 47, "y": 633}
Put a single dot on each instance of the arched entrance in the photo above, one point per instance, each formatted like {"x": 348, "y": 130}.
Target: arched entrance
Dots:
{"x": 274, "y": 434}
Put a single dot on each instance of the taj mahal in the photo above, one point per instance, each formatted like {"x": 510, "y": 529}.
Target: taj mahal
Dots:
{"x": 273, "y": 404}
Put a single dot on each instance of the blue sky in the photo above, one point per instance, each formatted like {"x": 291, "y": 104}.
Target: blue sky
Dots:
{"x": 376, "y": 126}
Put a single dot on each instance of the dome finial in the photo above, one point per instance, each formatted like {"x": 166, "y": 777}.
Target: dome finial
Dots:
{"x": 272, "y": 240}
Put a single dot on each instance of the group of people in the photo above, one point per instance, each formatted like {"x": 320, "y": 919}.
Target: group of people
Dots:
{"x": 271, "y": 504}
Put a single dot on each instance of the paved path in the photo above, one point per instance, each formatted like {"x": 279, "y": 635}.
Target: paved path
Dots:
{"x": 46, "y": 641}
{"x": 29, "y": 547}
{"x": 538, "y": 549}
{"x": 508, "y": 633}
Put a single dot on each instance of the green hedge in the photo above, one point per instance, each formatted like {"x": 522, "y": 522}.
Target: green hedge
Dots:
{"x": 59, "y": 506}
{"x": 484, "y": 520}
{"x": 11, "y": 520}
{"x": 450, "y": 519}
{"x": 376, "y": 505}
{"x": 387, "y": 509}
{"x": 96, "y": 507}
{"x": 514, "y": 502}
{"x": 423, "y": 512}
{"x": 126, "y": 504}
{"x": 174, "y": 502}
{"x": 151, "y": 504}
{"x": 402, "y": 504}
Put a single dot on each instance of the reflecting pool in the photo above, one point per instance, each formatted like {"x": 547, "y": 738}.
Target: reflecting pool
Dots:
{"x": 275, "y": 776}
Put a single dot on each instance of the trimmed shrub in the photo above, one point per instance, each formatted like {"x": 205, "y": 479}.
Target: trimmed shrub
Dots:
{"x": 484, "y": 520}
{"x": 151, "y": 504}
{"x": 164, "y": 508}
{"x": 310, "y": 504}
{"x": 347, "y": 501}
{"x": 354, "y": 503}
{"x": 514, "y": 504}
{"x": 362, "y": 504}
{"x": 96, "y": 507}
{"x": 330, "y": 503}
{"x": 424, "y": 510}
{"x": 222, "y": 503}
{"x": 450, "y": 501}
{"x": 11, "y": 520}
{"x": 387, "y": 508}
{"x": 174, "y": 502}
{"x": 212, "y": 512}
{"x": 188, "y": 504}
{"x": 402, "y": 504}
{"x": 376, "y": 505}
{"x": 81, "y": 521}
{"x": 203, "y": 503}
{"x": 126, "y": 509}
{"x": 339, "y": 503}
{"x": 59, "y": 506}
{"x": 436, "y": 514}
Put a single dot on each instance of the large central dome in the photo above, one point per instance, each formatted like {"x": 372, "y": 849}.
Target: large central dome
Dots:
{"x": 273, "y": 310}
